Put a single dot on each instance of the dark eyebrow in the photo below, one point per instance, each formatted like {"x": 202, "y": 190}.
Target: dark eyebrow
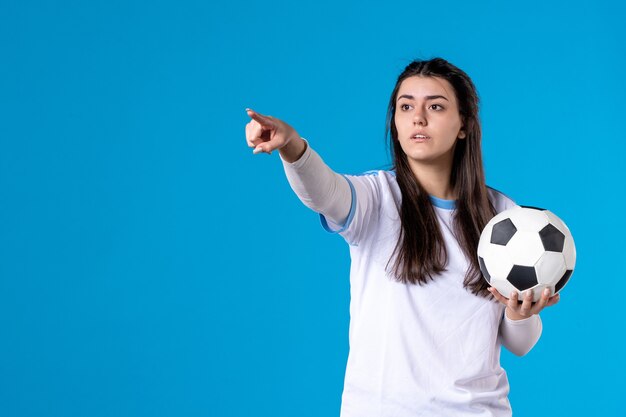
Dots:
{"x": 427, "y": 97}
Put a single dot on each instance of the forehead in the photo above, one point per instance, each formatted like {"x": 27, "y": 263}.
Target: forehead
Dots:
{"x": 421, "y": 86}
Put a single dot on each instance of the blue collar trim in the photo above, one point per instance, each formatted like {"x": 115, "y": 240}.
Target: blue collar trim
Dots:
{"x": 441, "y": 203}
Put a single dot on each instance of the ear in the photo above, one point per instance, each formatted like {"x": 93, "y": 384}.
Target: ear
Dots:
{"x": 462, "y": 134}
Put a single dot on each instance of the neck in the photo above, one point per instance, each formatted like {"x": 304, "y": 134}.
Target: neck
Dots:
{"x": 435, "y": 179}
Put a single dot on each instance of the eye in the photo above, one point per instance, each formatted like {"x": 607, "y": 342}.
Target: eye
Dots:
{"x": 405, "y": 107}
{"x": 437, "y": 105}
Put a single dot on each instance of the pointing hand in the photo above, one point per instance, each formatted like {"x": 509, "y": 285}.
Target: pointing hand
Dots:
{"x": 267, "y": 133}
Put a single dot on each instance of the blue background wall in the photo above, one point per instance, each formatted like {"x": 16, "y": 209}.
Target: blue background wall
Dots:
{"x": 150, "y": 265}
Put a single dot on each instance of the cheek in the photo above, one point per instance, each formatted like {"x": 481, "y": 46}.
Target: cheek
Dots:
{"x": 456, "y": 124}
{"x": 450, "y": 127}
{"x": 400, "y": 120}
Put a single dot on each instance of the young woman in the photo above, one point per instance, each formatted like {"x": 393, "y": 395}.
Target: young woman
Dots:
{"x": 425, "y": 327}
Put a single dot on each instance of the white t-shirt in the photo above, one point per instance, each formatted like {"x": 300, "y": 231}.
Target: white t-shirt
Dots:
{"x": 415, "y": 350}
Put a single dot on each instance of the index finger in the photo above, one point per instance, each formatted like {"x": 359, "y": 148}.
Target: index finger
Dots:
{"x": 263, "y": 120}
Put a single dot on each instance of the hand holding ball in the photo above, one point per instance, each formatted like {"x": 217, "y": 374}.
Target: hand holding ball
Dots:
{"x": 526, "y": 248}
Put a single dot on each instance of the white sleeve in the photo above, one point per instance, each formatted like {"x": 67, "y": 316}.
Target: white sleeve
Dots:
{"x": 319, "y": 187}
{"x": 519, "y": 336}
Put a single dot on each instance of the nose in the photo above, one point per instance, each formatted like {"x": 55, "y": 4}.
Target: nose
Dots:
{"x": 419, "y": 118}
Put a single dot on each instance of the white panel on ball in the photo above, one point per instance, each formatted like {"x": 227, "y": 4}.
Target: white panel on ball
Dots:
{"x": 488, "y": 229}
{"x": 525, "y": 248}
{"x": 550, "y": 268}
{"x": 523, "y": 221}
{"x": 505, "y": 288}
{"x": 569, "y": 252}
{"x": 497, "y": 261}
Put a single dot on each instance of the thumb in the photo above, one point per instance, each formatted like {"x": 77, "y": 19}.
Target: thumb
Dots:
{"x": 266, "y": 147}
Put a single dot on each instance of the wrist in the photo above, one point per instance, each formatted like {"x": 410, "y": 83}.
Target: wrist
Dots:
{"x": 512, "y": 315}
{"x": 293, "y": 150}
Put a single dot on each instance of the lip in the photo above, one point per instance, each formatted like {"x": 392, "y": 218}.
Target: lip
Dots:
{"x": 413, "y": 138}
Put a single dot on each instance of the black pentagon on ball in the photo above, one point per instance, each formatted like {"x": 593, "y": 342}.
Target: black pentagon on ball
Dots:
{"x": 483, "y": 269}
{"x": 502, "y": 232}
{"x": 522, "y": 277}
{"x": 563, "y": 280}
{"x": 552, "y": 238}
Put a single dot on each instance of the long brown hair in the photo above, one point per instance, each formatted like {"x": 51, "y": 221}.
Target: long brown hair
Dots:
{"x": 420, "y": 253}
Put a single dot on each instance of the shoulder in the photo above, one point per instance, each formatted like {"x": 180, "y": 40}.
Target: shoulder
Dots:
{"x": 376, "y": 173}
{"x": 500, "y": 200}
{"x": 379, "y": 185}
{"x": 380, "y": 177}
{"x": 372, "y": 193}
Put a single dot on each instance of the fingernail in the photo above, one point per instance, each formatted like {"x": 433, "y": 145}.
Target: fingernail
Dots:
{"x": 546, "y": 291}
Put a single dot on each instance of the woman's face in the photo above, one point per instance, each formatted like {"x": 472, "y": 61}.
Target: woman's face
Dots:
{"x": 428, "y": 106}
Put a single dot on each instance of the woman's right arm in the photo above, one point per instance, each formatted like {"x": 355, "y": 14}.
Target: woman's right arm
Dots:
{"x": 317, "y": 186}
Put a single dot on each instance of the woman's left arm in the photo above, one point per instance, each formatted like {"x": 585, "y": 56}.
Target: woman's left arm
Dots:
{"x": 521, "y": 326}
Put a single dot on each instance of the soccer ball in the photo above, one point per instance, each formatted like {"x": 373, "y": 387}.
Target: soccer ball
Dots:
{"x": 526, "y": 248}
